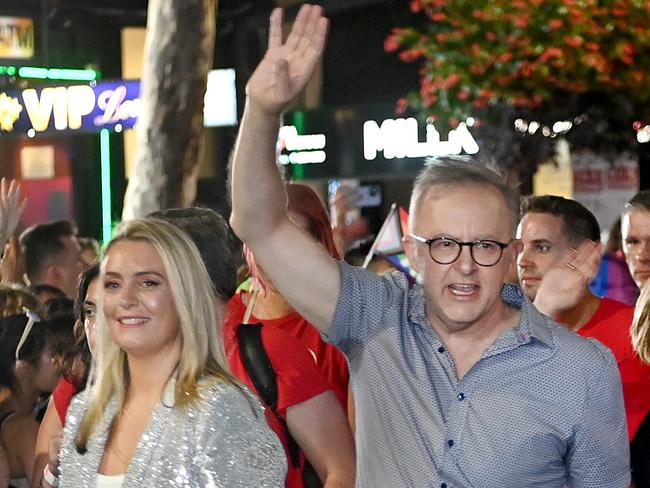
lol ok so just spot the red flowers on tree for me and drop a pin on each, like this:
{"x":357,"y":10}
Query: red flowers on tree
{"x":476,"y":53}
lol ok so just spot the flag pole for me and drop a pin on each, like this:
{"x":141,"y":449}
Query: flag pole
{"x":384,"y":226}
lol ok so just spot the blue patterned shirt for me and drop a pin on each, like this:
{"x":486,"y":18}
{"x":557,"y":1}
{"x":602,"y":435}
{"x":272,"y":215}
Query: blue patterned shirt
{"x":543,"y":407}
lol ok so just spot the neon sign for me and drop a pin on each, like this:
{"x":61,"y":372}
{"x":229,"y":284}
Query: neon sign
{"x":303,"y":149}
{"x":92,"y":107}
{"x":398,"y":138}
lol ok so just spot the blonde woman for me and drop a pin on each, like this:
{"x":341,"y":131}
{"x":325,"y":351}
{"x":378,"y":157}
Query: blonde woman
{"x":163,"y":409}
{"x":640,"y":445}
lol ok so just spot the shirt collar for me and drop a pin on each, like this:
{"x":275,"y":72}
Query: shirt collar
{"x":532,"y":323}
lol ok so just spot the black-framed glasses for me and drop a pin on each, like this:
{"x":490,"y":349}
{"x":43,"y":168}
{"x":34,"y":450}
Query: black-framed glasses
{"x":445,"y":250}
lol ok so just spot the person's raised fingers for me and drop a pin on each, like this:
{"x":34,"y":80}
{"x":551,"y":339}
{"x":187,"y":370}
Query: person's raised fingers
{"x":275,"y":29}
{"x":299,"y":25}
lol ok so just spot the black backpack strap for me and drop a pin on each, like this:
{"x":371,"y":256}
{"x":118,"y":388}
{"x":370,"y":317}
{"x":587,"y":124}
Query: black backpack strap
{"x":260,"y":369}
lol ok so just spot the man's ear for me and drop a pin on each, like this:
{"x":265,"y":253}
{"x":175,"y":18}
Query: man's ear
{"x":600,"y":246}
{"x":411,"y":249}
{"x":52,"y":275}
{"x":516,"y":246}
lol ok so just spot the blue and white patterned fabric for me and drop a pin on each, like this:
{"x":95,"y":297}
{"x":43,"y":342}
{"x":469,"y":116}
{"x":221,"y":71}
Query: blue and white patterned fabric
{"x":543,"y":407}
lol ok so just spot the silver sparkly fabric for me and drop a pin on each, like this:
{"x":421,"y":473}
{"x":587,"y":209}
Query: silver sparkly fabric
{"x":222,"y":441}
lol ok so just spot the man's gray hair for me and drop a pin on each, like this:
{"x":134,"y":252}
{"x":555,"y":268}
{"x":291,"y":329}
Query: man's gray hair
{"x":457,"y":171}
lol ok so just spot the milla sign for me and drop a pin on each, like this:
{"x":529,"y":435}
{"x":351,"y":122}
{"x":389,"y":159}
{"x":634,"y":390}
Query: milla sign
{"x":398,"y":138}
{"x":394,"y":138}
{"x":90,"y":108}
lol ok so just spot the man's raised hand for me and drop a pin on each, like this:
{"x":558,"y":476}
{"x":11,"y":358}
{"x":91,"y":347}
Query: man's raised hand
{"x":565,"y":284}
{"x":287,"y":67}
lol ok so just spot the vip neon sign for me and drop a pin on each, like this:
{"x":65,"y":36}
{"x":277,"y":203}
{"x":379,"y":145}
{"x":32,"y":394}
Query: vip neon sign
{"x":399,"y":138}
{"x":90,"y":108}
{"x":78,"y":107}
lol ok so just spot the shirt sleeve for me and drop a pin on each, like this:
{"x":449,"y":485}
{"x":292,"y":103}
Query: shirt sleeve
{"x":362,"y":304}
{"x":298,"y":376}
{"x":599,"y":455}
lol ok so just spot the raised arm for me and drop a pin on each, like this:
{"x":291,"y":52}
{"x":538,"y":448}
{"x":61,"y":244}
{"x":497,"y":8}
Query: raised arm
{"x":11,"y":207}
{"x":298,"y":267}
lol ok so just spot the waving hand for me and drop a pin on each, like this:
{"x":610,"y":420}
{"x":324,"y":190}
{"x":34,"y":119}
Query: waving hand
{"x":287,"y":67}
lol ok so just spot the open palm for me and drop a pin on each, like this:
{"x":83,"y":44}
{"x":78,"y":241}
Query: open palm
{"x":11,"y":208}
{"x":287,"y":67}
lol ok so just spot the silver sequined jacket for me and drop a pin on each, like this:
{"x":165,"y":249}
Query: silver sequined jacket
{"x":223,"y":441}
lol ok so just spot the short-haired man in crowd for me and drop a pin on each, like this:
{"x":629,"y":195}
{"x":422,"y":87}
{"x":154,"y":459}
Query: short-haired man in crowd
{"x":635,"y":231}
{"x":52,"y":255}
{"x":458,"y":381}
{"x":552,"y":229}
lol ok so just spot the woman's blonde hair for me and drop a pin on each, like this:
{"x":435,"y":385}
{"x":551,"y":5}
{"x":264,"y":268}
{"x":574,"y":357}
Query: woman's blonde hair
{"x":14,"y":300}
{"x":202,"y":354}
{"x":640,"y":331}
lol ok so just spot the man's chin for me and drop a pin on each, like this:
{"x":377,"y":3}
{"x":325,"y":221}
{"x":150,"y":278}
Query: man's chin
{"x":529,"y":290}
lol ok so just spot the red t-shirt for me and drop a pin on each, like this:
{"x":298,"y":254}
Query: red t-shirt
{"x":610,"y":325}
{"x":329,"y":359}
{"x":298,"y":376}
{"x":62,"y":395}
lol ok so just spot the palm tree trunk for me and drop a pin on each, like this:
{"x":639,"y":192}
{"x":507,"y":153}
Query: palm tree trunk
{"x":178,"y":55}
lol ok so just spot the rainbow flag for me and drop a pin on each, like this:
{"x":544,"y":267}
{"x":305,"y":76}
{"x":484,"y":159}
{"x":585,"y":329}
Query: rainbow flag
{"x":388,"y":243}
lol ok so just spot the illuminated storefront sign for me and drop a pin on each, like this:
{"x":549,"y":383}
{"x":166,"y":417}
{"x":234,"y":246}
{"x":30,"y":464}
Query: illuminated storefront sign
{"x":399,"y":138}
{"x":82,"y":108}
{"x":301,"y":149}
{"x":362,"y":141}
{"x":93,"y":107}
{"x":16,"y":38}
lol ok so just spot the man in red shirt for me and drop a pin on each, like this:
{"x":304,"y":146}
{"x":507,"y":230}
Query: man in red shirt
{"x":560,"y":254}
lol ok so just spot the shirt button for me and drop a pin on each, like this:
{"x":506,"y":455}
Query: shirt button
{"x":450,"y":443}
{"x":443,"y":485}
{"x":461,"y":397}
{"x":441,"y":349}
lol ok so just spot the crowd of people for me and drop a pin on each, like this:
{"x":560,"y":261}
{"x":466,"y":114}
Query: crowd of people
{"x":161,"y":363}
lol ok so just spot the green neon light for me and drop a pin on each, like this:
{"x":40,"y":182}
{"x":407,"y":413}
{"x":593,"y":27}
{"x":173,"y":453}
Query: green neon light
{"x":298,"y":170}
{"x":7,"y":70}
{"x":56,"y":73}
{"x":105,"y":163}
{"x":72,"y":74}
{"x":30,"y":72}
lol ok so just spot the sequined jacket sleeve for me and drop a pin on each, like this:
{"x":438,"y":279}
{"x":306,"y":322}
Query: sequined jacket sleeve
{"x":222,"y":441}
{"x":247,"y":447}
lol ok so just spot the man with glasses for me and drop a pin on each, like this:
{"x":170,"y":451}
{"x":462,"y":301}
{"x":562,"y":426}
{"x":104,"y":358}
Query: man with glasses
{"x":458,"y":381}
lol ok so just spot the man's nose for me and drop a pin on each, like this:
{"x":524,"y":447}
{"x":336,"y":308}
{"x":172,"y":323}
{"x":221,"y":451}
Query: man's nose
{"x":465,"y":261}
{"x":523,"y":259}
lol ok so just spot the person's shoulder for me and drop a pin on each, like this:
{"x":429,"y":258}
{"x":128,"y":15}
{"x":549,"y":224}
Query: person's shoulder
{"x":615,"y":309}
{"x":225,"y":396}
{"x":18,"y":427}
{"x":583,"y":353}
{"x":357,"y":274}
{"x":227,"y":408}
